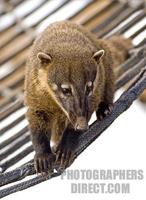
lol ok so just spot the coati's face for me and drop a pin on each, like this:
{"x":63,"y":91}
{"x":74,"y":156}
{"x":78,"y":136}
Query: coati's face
{"x":72,"y":86}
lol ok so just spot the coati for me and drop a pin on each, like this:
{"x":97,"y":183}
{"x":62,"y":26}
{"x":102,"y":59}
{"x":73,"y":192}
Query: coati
{"x":69,"y":75}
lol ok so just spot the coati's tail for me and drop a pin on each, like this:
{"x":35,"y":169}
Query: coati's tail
{"x":143,"y":97}
{"x":120,"y":47}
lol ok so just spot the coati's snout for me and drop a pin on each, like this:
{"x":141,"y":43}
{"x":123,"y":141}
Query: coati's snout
{"x":74,"y":101}
{"x":74,"y":105}
{"x":81,"y":124}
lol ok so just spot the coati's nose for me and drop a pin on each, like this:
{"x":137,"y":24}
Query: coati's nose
{"x":81,"y":124}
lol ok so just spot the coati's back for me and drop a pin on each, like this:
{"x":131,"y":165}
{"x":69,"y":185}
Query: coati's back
{"x":63,"y":34}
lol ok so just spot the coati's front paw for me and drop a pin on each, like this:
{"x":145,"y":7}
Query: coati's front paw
{"x":64,"y":156}
{"x":104,"y":109}
{"x":44,"y":163}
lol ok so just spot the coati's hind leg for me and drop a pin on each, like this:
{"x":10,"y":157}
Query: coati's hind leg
{"x":65,"y":153}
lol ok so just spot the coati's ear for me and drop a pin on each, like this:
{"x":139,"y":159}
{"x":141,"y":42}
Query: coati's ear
{"x":44,"y":58}
{"x":97,"y":55}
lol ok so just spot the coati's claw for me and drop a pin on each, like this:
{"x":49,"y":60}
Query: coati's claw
{"x":65,"y":151}
{"x":103,"y":110}
{"x":43,"y":163}
{"x":65,"y":157}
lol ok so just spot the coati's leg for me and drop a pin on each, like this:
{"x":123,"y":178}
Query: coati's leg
{"x":44,"y":159}
{"x":40,"y":135}
{"x":116,"y":51}
{"x":106,"y":104}
{"x":65,"y":153}
{"x":64,"y":142}
{"x":104,"y":109}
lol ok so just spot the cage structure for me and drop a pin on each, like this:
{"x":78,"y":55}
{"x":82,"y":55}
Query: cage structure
{"x":21,"y":21}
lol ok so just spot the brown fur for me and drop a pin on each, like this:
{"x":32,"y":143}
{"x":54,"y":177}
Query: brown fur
{"x":143,"y":97}
{"x":71,"y":48}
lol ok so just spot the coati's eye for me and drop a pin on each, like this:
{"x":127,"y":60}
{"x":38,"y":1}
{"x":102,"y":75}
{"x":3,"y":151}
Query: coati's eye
{"x":89,"y":88}
{"x":66,"y":90}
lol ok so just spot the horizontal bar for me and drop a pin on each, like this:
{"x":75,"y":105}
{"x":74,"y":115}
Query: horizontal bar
{"x":15,"y":145}
{"x":15,"y":159}
{"x":130,"y":74}
{"x":109,"y":20}
{"x":14,"y":137}
{"x":20,"y":11}
{"x":20,"y":118}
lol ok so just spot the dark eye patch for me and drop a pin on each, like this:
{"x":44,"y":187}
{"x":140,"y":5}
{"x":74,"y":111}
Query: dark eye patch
{"x":66,"y":91}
